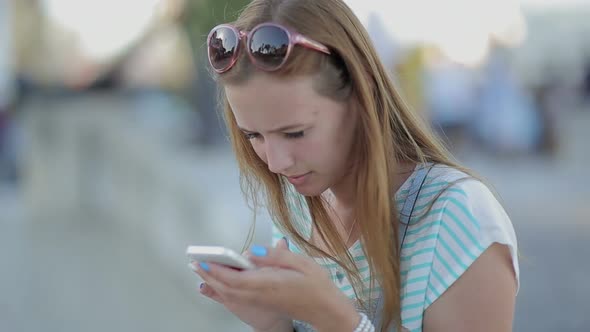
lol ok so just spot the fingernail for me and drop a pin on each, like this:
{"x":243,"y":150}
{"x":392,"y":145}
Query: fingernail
{"x":192,"y":267}
{"x":259,"y":251}
{"x":204,"y":266}
{"x":201,"y":285}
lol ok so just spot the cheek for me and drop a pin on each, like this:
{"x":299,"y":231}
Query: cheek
{"x":315,"y":152}
{"x":259,"y":149}
{"x":333,"y":150}
{"x":328,"y":140}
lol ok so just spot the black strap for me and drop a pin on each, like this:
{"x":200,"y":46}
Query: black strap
{"x":405,"y":219}
{"x":410,"y":202}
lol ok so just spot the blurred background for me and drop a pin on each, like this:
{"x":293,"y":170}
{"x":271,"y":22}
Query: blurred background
{"x":113,"y":158}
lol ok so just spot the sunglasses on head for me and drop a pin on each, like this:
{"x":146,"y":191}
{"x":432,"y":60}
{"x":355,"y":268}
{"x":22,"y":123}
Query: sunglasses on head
{"x":268,"y":45}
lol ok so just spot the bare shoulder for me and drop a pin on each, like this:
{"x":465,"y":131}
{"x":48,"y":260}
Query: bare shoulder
{"x":482,"y":299}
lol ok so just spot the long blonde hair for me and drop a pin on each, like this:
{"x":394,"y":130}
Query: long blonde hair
{"x":388,"y":133}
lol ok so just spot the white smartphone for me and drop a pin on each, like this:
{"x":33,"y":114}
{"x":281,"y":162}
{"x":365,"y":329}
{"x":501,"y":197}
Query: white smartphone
{"x":219,"y":255}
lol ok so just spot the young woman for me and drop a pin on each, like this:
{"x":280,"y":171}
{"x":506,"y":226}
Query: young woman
{"x":384,"y":230}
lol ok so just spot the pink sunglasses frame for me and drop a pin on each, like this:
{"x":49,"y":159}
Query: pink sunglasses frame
{"x":295,"y":38}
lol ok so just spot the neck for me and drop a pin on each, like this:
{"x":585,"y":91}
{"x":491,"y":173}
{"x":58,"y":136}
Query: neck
{"x":344,"y":193}
{"x":405,"y":170}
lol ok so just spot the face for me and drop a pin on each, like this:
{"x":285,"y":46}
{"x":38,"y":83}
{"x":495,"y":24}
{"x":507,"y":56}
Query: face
{"x":298,"y":133}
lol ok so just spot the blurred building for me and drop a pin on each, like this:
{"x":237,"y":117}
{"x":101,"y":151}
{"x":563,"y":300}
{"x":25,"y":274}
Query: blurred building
{"x":7,"y":75}
{"x":490,"y":73}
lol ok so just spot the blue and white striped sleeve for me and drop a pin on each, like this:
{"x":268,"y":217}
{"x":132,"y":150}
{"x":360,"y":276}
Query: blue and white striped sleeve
{"x":471,"y":221}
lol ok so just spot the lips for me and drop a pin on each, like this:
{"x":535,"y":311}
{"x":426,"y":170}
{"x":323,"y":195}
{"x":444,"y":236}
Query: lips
{"x":299,"y":179}
{"x":297,"y":176}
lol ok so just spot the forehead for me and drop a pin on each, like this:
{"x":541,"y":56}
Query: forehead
{"x":265,"y":102}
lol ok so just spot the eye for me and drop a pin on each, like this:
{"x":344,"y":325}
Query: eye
{"x":251,"y":136}
{"x":297,"y":134}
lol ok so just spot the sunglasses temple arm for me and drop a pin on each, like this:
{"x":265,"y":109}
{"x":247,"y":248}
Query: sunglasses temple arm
{"x":310,"y":43}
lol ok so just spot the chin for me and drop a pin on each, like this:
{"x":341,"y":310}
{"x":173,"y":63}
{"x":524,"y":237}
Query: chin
{"x":310,"y":190}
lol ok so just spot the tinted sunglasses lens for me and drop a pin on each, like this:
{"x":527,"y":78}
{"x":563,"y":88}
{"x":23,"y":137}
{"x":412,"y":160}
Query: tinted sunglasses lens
{"x":268,"y":46}
{"x":222,"y":48}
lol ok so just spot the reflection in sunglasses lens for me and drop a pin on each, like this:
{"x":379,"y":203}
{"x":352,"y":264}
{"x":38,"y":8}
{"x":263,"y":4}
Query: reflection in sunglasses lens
{"x":222,"y":46}
{"x":269,"y":45}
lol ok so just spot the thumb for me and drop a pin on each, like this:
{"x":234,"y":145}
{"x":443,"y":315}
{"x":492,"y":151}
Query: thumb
{"x":279,"y":257}
{"x":283,"y":244}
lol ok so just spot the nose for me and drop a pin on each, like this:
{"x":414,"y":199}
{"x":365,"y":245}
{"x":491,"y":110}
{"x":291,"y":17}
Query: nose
{"x":278,"y":158}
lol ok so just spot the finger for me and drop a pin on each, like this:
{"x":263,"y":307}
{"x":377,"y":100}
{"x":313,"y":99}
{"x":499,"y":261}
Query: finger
{"x":197,"y":268}
{"x":219,"y":276}
{"x":232,"y":278}
{"x":193,"y":266}
{"x":231,"y":286}
{"x":203,"y":269}
{"x":204,"y":289}
{"x":221,"y":281}
{"x":247,"y":282}
{"x":277,"y":257}
{"x":209,"y":292}
{"x":210,"y":285}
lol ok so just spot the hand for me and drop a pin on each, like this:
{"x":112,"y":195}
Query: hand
{"x":286,"y":283}
{"x":259,"y":318}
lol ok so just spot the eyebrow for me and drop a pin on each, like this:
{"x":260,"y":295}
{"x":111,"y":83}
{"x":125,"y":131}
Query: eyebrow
{"x":284,"y":128}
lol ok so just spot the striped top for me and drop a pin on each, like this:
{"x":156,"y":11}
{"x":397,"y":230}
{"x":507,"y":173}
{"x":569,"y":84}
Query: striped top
{"x":440,"y":243}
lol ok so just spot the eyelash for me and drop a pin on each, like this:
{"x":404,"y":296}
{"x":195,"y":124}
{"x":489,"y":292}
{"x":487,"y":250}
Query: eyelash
{"x":250,"y":136}
{"x":294,"y":135}
{"x":297,"y":134}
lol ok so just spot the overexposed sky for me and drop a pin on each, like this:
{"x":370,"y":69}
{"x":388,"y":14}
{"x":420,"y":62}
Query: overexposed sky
{"x":461,"y":28}
{"x":103,"y":27}
{"x":549,"y":4}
